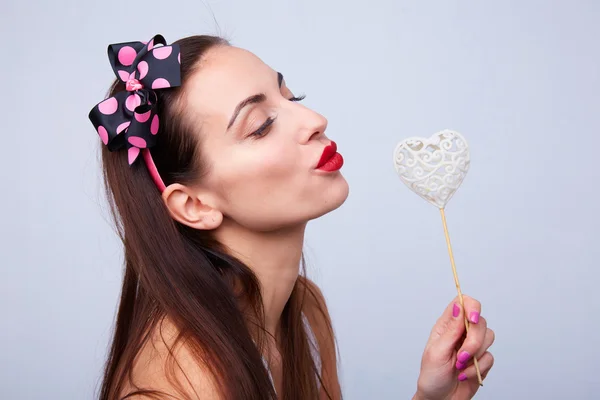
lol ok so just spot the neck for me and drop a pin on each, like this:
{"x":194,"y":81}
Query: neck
{"x":275,"y":259}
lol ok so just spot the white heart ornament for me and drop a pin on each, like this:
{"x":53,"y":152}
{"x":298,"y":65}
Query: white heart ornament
{"x":433,"y":168}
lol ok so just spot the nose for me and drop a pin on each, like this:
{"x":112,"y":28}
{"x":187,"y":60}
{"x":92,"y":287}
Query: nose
{"x":313,"y":125}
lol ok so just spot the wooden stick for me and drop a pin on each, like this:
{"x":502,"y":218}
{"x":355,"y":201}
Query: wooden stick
{"x":460,"y":296}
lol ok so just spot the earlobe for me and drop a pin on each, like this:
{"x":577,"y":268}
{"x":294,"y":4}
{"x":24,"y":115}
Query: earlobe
{"x":186,"y":206}
{"x":213,"y":221}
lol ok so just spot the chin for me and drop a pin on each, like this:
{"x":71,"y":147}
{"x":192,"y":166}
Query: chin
{"x":335,"y":195}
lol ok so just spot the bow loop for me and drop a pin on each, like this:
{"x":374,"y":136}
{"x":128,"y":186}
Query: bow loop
{"x":128,"y":119}
{"x":153,"y":64}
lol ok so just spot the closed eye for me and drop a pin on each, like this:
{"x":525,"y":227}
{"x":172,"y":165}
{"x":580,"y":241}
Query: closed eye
{"x":280,"y":82}
{"x":263,"y":129}
{"x":299,"y":98}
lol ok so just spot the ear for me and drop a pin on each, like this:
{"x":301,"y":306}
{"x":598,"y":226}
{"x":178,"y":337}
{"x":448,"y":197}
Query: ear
{"x":186,"y":206}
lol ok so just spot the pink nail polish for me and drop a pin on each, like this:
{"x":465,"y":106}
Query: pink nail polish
{"x":474,"y":317}
{"x":462,"y":376}
{"x":463,"y":357}
{"x":455,"y":310}
{"x":460,"y":365}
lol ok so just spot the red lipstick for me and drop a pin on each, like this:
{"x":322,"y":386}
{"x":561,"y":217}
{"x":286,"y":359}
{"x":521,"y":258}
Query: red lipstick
{"x":330,"y":160}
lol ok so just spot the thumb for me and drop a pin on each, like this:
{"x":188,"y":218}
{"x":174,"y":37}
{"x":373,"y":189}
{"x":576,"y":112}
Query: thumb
{"x":449,"y":329}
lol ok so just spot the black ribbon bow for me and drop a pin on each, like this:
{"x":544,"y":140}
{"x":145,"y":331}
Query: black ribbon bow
{"x":129,"y":117}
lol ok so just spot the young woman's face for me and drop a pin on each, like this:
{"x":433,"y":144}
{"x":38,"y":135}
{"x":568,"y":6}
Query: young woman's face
{"x":262,"y":161}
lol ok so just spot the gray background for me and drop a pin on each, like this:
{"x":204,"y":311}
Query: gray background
{"x":518,"y":78}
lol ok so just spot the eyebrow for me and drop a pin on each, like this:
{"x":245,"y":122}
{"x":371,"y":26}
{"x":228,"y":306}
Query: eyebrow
{"x":254,"y":99}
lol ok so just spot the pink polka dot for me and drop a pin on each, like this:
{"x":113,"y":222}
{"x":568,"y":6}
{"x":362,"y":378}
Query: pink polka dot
{"x":151,"y":45}
{"x":142,"y":117}
{"x":162,"y":52}
{"x":160,"y":83}
{"x":124,"y":75}
{"x":108,"y":106}
{"x":154,"y":125}
{"x":137,"y":141}
{"x":123,"y":126}
{"x":143,"y":68}
{"x":132,"y":102}
{"x":132,"y":154}
{"x":103,"y":134}
{"x":127,"y":55}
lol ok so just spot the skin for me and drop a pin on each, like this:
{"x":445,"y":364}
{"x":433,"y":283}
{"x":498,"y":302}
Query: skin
{"x":245,"y":199}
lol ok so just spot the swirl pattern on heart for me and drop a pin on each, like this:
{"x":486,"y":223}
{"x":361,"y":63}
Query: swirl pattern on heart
{"x":433,"y":168}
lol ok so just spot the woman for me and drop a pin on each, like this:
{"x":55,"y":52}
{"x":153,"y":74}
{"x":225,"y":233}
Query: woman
{"x":214,"y":303}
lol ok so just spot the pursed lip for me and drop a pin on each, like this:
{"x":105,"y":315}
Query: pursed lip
{"x":328,"y":152}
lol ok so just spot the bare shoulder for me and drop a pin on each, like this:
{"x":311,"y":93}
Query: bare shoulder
{"x":166,"y":364}
{"x":317,"y":313}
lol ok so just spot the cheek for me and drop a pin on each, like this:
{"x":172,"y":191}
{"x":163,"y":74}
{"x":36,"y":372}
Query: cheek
{"x":268,"y":166}
{"x":273,"y":161}
{"x":257,"y":168}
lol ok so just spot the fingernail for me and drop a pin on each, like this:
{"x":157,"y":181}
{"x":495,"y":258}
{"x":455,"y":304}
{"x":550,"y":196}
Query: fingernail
{"x":463,"y":357}
{"x":455,"y":310}
{"x":460,"y":365}
{"x":462,"y":376}
{"x":474,"y":317}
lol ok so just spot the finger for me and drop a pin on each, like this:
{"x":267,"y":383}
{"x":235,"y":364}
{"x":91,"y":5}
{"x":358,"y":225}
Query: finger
{"x":485,"y":362}
{"x":473,"y":344}
{"x":472,"y":309}
{"x":489,"y":339}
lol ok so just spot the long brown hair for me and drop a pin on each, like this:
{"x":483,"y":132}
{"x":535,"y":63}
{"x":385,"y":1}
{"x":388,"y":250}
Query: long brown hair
{"x":177,"y":272}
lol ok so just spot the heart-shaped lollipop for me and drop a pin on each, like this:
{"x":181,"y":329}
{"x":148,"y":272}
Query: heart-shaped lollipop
{"x":433,"y":168}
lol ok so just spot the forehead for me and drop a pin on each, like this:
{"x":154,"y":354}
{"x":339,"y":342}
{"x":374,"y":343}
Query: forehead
{"x":226,"y":76}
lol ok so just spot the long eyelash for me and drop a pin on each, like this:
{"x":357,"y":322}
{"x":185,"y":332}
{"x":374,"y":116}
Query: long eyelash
{"x":300,"y":98}
{"x":267,"y":124}
{"x":263,"y":127}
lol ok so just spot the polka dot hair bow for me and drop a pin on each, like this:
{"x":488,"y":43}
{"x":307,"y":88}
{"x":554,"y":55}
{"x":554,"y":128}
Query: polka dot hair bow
{"x":128,"y":119}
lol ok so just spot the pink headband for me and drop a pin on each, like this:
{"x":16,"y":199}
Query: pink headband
{"x":128,"y":119}
{"x":153,"y":171}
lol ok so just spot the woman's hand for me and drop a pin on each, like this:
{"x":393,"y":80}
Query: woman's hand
{"x":447,"y":369}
